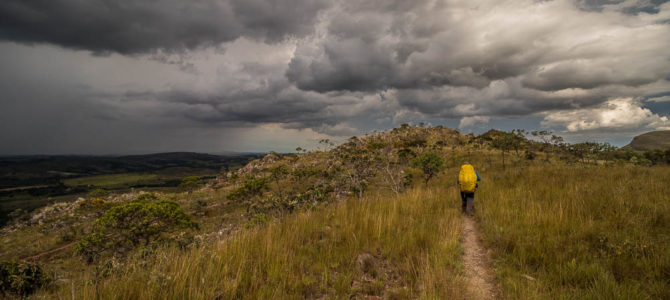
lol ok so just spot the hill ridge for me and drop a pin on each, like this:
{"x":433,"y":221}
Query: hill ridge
{"x":654,"y":140}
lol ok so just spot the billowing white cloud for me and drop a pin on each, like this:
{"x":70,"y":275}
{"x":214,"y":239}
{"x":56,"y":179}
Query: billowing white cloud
{"x":467,"y":122}
{"x":615,"y":114}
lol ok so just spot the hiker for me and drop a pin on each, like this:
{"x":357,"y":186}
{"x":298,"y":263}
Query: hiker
{"x":468,"y":180}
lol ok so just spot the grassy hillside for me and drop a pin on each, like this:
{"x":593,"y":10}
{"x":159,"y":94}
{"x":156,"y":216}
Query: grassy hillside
{"x":561,"y":221}
{"x":655,"y":140}
{"x":395,"y":247}
{"x":574,"y":232}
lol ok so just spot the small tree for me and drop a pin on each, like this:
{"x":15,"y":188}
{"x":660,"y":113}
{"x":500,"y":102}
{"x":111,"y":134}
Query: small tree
{"x":326,"y":143}
{"x":585,"y":151}
{"x":504,"y":142}
{"x":607,"y":152}
{"x":189,"y":183}
{"x":557,"y":143}
{"x":393,"y":164}
{"x":430,"y":163}
{"x":249,"y":189}
{"x":545,"y":140}
{"x":358,"y":162}
{"x":277,"y":172}
{"x":519,"y":141}
{"x":300,"y":150}
{"x":133,"y":224}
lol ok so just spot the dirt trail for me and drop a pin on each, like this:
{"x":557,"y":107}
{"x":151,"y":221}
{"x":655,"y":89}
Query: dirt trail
{"x":19,"y":188}
{"x":47,"y":253}
{"x":480,"y":278}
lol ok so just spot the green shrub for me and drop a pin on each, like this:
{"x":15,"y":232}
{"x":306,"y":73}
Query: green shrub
{"x":258,"y":220}
{"x":128,"y":226}
{"x":198,"y":206}
{"x":146,"y":197}
{"x":93,"y":204}
{"x":21,"y":278}
{"x":249,"y":189}
{"x":97,"y":193}
{"x":430,"y":163}
{"x":189,"y":183}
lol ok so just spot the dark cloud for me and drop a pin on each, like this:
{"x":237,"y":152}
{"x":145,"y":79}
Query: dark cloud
{"x":319,"y":69}
{"x":596,"y":5}
{"x":421,"y":45}
{"x":136,"y":26}
{"x":460,"y":60}
{"x":649,"y":7}
{"x":626,"y":7}
{"x":274,"y":102}
{"x":585,"y":75}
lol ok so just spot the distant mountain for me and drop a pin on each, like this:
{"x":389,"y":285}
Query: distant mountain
{"x":655,"y":140}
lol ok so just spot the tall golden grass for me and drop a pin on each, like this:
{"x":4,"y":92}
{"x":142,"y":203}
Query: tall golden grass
{"x":413,"y":239}
{"x":556,"y":231}
{"x":578,"y":232}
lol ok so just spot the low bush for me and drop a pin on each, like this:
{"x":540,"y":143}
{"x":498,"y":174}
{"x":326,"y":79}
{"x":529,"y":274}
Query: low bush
{"x":21,"y":279}
{"x":131,"y":225}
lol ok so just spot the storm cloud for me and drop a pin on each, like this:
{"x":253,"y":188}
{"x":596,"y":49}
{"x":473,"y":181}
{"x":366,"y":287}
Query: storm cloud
{"x":461,"y":44}
{"x":138,"y":26}
{"x":185,"y":74}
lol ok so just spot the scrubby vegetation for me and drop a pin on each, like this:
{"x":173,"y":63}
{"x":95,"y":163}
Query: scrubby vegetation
{"x":375,"y":216}
{"x":127,"y":226}
{"x":21,"y":279}
{"x":392,"y":247}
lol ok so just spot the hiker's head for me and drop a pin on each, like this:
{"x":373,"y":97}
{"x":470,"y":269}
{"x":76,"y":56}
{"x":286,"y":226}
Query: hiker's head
{"x":465,"y":163}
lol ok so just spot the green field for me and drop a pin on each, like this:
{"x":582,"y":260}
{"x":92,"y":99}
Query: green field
{"x":169,"y":177}
{"x":73,"y":188}
{"x":115,"y":181}
{"x":30,"y":182}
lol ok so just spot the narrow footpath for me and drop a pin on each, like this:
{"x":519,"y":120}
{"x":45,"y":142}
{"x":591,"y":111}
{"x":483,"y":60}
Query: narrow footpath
{"x":481,"y":283}
{"x":47,"y":253}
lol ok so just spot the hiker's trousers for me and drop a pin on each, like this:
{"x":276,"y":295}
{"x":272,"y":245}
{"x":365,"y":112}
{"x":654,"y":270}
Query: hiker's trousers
{"x":467,"y":202}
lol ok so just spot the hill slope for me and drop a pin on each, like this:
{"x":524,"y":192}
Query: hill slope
{"x":655,"y":140}
{"x":360,"y":221}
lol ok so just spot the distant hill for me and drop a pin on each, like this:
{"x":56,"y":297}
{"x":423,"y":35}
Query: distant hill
{"x":655,"y":140}
{"x":491,"y":134}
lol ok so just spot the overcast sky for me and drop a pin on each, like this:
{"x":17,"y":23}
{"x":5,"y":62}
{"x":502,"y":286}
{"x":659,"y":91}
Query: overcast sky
{"x":138,"y":76}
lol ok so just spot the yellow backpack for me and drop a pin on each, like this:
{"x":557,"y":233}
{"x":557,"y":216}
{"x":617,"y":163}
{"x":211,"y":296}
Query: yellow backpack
{"x":467,"y":178}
